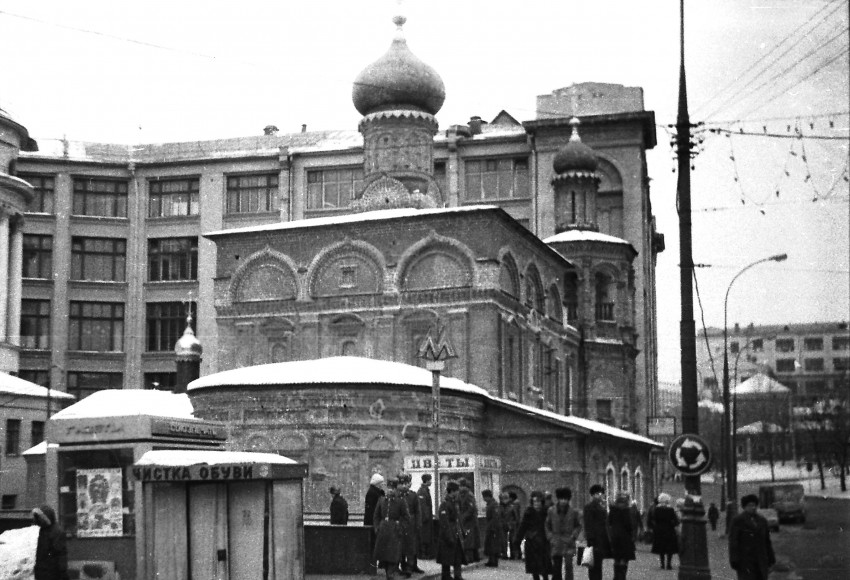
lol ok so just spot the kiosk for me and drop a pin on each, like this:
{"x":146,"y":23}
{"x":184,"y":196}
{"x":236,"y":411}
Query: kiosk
{"x":481,"y":471}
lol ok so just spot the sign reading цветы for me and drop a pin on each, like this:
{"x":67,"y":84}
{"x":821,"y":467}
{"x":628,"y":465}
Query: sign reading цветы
{"x":449,"y":462}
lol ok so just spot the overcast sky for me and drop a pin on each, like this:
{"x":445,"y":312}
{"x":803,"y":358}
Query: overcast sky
{"x":154,"y":71}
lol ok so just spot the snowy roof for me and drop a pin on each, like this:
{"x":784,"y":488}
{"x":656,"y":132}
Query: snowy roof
{"x":39,"y":449}
{"x":185,"y":458}
{"x":759,"y":427}
{"x":760,"y":384}
{"x":584,"y":236}
{"x":127,"y":402}
{"x":383,"y":214}
{"x":333,"y":370}
{"x":710,"y":405}
{"x":10,"y":385}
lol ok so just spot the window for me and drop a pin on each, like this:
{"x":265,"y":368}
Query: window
{"x":571,"y":286}
{"x":35,"y":324}
{"x":37,"y":256}
{"x":504,"y":178}
{"x":813,"y":364}
{"x":841,"y":343}
{"x":98,"y":259}
{"x":36,"y":433}
{"x":440,"y":177}
{"x":550,"y":376}
{"x":174,"y":197}
{"x":604,"y":411}
{"x":841,"y":364}
{"x":605,"y":289}
{"x":161,"y":381}
{"x":96,"y":326}
{"x":172,"y":259}
{"x":9,"y":501}
{"x":785,"y":365}
{"x":82,"y":384}
{"x":333,"y":188}
{"x":734,"y":346}
{"x":43,"y":200}
{"x":757,"y":345}
{"x":13,"y":436}
{"x":252,"y":193}
{"x":39,"y":377}
{"x":100,"y":197}
{"x":813,"y":344}
{"x":166,"y":322}
{"x":785,"y":344}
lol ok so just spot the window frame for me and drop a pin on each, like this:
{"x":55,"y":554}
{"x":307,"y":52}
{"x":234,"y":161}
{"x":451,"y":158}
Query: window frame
{"x":814,"y":365}
{"x":185,"y":258}
{"x":355,"y":184}
{"x":785,"y":345}
{"x":813,"y":344}
{"x":163,"y":330}
{"x":40,"y":320}
{"x":486,"y":173}
{"x":82,"y":329}
{"x":40,"y":255}
{"x":159,"y":200}
{"x":44,"y":200}
{"x":98,"y":259}
{"x":114,"y":380}
{"x":12,"y":445}
{"x":237,"y":194}
{"x":85,"y":201}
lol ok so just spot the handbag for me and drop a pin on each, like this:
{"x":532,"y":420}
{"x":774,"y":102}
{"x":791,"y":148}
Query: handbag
{"x":587,"y":557}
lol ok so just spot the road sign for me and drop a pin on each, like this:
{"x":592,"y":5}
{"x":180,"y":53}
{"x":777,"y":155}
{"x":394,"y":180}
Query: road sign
{"x":690,"y":454}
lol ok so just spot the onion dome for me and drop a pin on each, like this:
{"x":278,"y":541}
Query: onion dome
{"x":188,"y":345}
{"x":575,"y":156}
{"x":398,"y":80}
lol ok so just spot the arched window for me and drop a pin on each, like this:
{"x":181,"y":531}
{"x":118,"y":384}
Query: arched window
{"x":605,"y":293}
{"x":553,"y":304}
{"x":638,"y":488}
{"x":508,"y":277}
{"x":571,"y":296}
{"x":610,"y":481}
{"x":624,"y":480}
{"x":534,"y":290}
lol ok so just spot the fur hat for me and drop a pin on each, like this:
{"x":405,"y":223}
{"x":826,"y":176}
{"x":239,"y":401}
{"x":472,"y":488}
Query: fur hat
{"x":451,"y":486}
{"x":377,"y":479}
{"x":751,"y":498}
{"x":563,"y":493}
{"x":596,"y":488}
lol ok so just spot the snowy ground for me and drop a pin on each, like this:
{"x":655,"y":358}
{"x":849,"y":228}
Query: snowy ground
{"x":17,"y":553}
{"x":756,"y":472}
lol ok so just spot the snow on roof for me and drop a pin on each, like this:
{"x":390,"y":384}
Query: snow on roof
{"x":760,"y":384}
{"x":710,"y":405}
{"x":579,"y":422}
{"x":584,"y":236}
{"x":382,"y":214}
{"x":126,"y":402}
{"x":759,"y":427}
{"x":185,"y":458}
{"x":39,"y":449}
{"x":10,"y":385}
{"x":333,"y":370}
{"x":603,"y":340}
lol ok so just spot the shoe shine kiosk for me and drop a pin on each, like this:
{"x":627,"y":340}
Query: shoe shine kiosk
{"x":145,"y":491}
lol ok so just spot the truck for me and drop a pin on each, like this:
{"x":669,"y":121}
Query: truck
{"x":788,"y":499}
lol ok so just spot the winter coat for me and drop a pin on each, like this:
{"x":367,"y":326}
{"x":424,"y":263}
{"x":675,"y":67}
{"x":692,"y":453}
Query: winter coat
{"x":469,"y":521}
{"x":750,"y":550}
{"x":391,"y":516}
{"x":372,"y":496}
{"x":494,"y":536}
{"x":533,"y":529}
{"x":450,"y":539}
{"x":621,"y":532}
{"x":426,"y":514}
{"x":339,"y":511}
{"x":410,"y":529}
{"x":596,"y":529}
{"x":665,"y":540}
{"x":562,"y":530}
{"x":713,"y":514}
{"x":51,"y":554}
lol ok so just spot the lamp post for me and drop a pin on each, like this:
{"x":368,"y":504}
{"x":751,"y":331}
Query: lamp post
{"x":728,"y":451}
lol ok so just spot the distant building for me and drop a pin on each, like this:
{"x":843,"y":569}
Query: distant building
{"x":811,"y":359}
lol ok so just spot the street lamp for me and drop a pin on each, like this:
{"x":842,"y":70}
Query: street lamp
{"x":728,"y":451}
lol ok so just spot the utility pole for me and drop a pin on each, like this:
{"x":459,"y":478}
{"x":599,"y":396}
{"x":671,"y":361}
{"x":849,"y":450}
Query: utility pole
{"x":694,"y":550}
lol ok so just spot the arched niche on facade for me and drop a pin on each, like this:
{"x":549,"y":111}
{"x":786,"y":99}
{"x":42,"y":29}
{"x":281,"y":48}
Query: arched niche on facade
{"x":572,"y":293}
{"x":258,"y":443}
{"x":605,"y":284}
{"x":436,"y":262}
{"x":347,"y":332}
{"x":415,"y":325}
{"x":610,"y":480}
{"x":351,"y":267}
{"x":638,"y":487}
{"x":625,"y":479}
{"x":278,"y":333}
{"x":609,"y":198}
{"x":293,"y":445}
{"x":346,"y":442}
{"x":554,"y":309}
{"x":509,"y":275}
{"x":533,"y":291}
{"x":265,"y":276}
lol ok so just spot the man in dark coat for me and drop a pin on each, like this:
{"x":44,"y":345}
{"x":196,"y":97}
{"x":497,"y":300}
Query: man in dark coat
{"x":622,"y":535}
{"x":426,"y":514}
{"x":391,"y":516}
{"x":450,"y":553}
{"x":750,"y":551}
{"x":665,"y":538}
{"x":410,"y":531}
{"x":373,"y":494}
{"x":713,"y":516}
{"x":596,"y":530}
{"x":51,"y":554}
{"x":468,"y":520}
{"x":563,"y":527}
{"x":339,"y":507}
{"x":513,"y":525}
{"x":493,"y":536}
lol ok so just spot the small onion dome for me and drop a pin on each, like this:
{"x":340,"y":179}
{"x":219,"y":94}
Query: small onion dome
{"x":398,"y":80}
{"x":188,"y":345}
{"x":575,"y":155}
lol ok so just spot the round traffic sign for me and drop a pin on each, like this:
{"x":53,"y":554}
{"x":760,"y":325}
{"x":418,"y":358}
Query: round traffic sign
{"x":690,"y":454}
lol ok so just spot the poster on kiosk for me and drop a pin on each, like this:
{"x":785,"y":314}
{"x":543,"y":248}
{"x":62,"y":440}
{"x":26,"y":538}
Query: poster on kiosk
{"x":481,"y":471}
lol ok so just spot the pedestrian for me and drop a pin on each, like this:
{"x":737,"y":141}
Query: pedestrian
{"x":373,"y":494}
{"x":622,"y":534}
{"x":51,"y":554}
{"x":468,"y":520}
{"x":713,"y":516}
{"x":563,"y":527}
{"x":339,"y":507}
{"x":426,"y":515}
{"x":410,"y":530}
{"x":516,"y":544}
{"x":450,"y":553}
{"x":750,"y":551}
{"x":532,"y":528}
{"x":391,"y":516}
{"x":650,"y":520}
{"x":665,"y":540}
{"x":506,"y":512}
{"x":493,"y":536}
{"x":637,"y":521}
{"x":595,"y":523}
